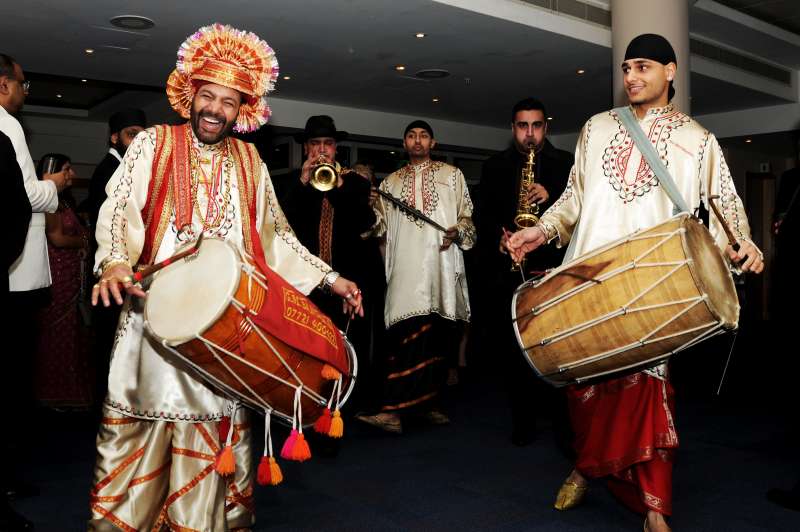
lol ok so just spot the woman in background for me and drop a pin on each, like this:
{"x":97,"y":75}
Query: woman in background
{"x":63,"y":378}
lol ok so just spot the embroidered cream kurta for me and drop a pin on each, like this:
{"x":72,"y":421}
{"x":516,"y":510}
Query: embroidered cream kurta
{"x":145,"y":380}
{"x":612,"y":191}
{"x":420,"y":278}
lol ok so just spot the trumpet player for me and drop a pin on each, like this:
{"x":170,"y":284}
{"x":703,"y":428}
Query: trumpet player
{"x":328,"y":208}
{"x":500,"y":201}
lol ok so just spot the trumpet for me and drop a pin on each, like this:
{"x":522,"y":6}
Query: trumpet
{"x":527,"y":212}
{"x":325,"y":175}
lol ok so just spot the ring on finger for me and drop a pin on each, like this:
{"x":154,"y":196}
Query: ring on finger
{"x":127,"y":279}
{"x":103,"y":281}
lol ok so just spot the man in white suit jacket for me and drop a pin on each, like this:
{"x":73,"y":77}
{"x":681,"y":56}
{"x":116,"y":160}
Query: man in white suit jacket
{"x":28,"y":277}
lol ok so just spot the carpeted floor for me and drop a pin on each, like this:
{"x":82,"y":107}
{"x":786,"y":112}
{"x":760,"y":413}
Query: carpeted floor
{"x":468,"y":476}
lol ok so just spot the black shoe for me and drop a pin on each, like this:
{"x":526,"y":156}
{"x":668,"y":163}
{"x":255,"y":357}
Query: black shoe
{"x":789,"y":499}
{"x":11,"y":521}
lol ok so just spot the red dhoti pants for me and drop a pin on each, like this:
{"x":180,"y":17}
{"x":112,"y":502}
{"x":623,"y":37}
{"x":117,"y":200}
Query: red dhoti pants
{"x":624,"y":431}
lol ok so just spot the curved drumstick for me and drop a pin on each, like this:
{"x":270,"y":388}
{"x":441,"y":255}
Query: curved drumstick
{"x":150,"y":270}
{"x":731,"y":239}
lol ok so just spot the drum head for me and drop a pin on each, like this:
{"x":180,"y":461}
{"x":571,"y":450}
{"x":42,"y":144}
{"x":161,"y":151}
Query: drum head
{"x":187,"y":297}
{"x":711,"y":273}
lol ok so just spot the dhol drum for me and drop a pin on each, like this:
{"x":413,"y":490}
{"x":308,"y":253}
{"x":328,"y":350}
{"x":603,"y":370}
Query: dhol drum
{"x":204,"y":310}
{"x":627,"y":305}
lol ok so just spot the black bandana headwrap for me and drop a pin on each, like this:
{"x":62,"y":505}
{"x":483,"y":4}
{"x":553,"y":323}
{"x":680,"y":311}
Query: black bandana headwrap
{"x":420,"y":124}
{"x":655,"y":48}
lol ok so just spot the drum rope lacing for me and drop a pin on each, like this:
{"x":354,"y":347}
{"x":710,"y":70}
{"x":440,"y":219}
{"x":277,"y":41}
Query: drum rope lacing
{"x":715,"y":331}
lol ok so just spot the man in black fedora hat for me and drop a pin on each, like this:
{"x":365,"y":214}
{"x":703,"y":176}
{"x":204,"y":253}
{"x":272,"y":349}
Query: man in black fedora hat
{"x":330,"y":223}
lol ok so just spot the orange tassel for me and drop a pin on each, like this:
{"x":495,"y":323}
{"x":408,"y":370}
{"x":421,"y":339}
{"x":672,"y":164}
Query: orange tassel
{"x":301,"y":451}
{"x":330,"y":373}
{"x":226,"y":462}
{"x":276,"y":476}
{"x":269,"y":472}
{"x":264,"y":476}
{"x":337,"y":425}
{"x":224,"y":427}
{"x":323,"y":424}
{"x":288,"y":445}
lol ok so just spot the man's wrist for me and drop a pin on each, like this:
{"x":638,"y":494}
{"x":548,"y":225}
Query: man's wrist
{"x":327,"y":282}
{"x":109,"y":263}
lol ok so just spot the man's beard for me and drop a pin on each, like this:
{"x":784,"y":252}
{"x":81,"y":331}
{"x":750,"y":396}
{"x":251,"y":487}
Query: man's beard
{"x":210,"y":138}
{"x":120,"y":147}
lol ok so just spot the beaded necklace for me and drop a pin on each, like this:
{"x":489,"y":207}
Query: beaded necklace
{"x":213,"y":210}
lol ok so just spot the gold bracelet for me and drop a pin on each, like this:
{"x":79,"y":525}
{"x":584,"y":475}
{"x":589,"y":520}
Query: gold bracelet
{"x":110,"y":263}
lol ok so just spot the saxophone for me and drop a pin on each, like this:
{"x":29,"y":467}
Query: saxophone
{"x":527,"y":212}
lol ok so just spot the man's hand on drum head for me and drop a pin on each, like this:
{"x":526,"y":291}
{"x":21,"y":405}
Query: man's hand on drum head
{"x":110,"y":284}
{"x":749,"y":258}
{"x":348,"y":290}
{"x":524,"y":241}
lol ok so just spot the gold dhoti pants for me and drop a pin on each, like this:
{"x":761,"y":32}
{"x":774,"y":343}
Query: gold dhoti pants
{"x":157,"y":475}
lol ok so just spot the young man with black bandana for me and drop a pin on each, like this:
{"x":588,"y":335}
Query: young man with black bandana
{"x":426,"y":294}
{"x":624,"y":426}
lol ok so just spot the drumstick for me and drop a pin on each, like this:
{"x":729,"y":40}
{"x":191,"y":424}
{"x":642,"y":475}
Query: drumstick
{"x":150,"y":270}
{"x":731,"y":239}
{"x":411,"y":210}
{"x":520,"y":265}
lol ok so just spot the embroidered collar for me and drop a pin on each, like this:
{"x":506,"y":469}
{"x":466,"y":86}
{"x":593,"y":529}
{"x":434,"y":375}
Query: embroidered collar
{"x":654,"y":112}
{"x":421,"y":166}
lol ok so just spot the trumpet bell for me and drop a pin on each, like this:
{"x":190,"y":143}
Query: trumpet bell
{"x":325,"y":176}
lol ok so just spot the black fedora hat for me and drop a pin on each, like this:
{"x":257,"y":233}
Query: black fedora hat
{"x":320,"y":126}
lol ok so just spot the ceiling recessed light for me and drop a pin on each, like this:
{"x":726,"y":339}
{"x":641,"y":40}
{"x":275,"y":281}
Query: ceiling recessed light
{"x":580,"y":71}
{"x":84,"y":80}
{"x":89,"y":51}
{"x":549,"y":117}
{"x":391,"y":152}
{"x":132,"y":22}
{"x":58,"y":96}
{"x":420,"y":35}
{"x":434,"y":100}
{"x":748,"y":140}
{"x":399,"y":68}
{"x":287,"y":77}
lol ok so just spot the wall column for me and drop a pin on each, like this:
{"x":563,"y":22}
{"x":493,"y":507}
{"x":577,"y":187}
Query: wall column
{"x":670,"y":19}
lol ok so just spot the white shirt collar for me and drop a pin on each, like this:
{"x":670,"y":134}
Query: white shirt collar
{"x":115,"y":153}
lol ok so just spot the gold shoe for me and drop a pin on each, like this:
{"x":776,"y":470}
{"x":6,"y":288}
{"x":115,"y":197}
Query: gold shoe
{"x":570,"y":495}
{"x":434,"y":417}
{"x":383,"y":421}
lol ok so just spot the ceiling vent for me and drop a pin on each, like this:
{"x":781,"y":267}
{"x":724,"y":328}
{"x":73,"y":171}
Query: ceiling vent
{"x":132,"y":22}
{"x":432,"y":73}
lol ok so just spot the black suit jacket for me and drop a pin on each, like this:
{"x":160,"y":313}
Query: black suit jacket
{"x":97,"y":186}
{"x":353,"y":257}
{"x":16,"y":213}
{"x":497,"y":201}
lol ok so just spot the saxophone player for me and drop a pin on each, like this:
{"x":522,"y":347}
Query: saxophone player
{"x":498,"y":203}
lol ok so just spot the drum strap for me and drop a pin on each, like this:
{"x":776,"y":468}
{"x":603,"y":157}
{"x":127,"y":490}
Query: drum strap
{"x":649,"y":153}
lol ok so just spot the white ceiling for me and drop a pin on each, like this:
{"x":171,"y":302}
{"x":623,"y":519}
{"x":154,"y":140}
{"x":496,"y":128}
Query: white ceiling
{"x":343,"y":52}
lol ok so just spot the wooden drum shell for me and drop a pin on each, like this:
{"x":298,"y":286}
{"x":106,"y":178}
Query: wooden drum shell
{"x":679,"y":292}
